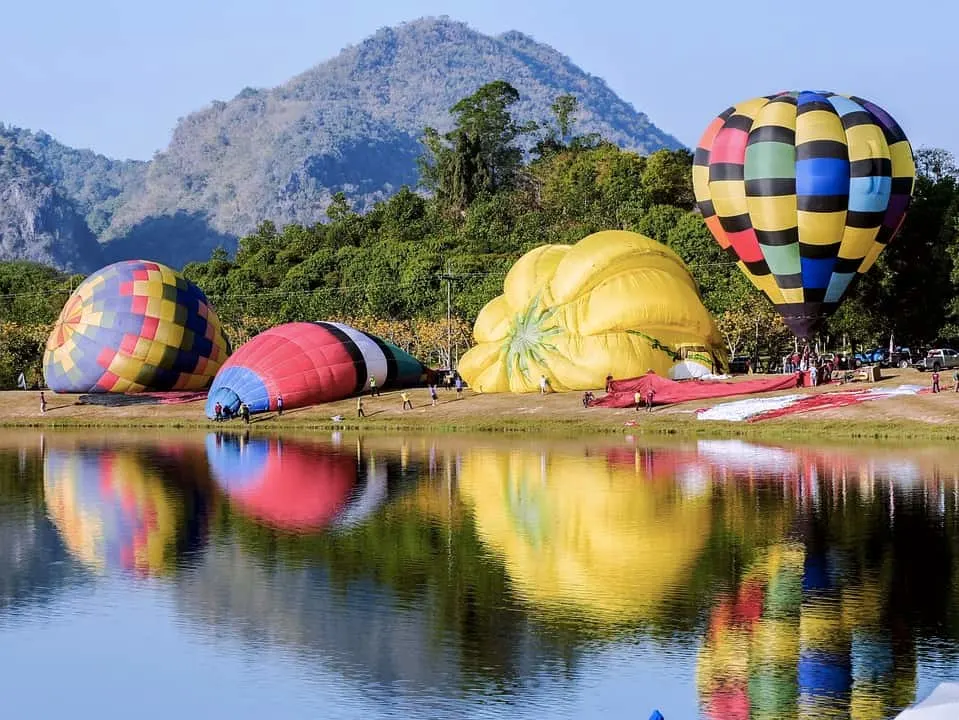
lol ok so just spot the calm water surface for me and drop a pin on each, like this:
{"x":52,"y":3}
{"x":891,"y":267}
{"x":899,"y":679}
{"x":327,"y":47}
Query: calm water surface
{"x":161,"y":575}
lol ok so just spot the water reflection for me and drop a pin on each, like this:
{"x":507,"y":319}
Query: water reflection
{"x":128,"y":509}
{"x":449,"y":577}
{"x":609,"y":539}
{"x":298,"y":486}
{"x":34,"y":565}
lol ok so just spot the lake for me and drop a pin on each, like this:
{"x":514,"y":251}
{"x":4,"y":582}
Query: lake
{"x":161,"y":575}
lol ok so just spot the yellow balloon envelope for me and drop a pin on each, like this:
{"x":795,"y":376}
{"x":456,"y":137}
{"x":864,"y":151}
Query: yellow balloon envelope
{"x":616,"y":303}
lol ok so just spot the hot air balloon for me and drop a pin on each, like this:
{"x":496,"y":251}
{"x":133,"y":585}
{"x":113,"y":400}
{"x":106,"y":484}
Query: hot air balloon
{"x":309,"y":363}
{"x":288,"y":486}
{"x":615,"y":303}
{"x":135,"y":326}
{"x":804,"y":190}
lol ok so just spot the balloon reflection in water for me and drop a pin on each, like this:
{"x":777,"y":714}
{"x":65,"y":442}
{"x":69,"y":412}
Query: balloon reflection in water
{"x":585,"y":534}
{"x":295,"y":486}
{"x":818,"y":627}
{"x":790,"y":644}
{"x":115,"y":512}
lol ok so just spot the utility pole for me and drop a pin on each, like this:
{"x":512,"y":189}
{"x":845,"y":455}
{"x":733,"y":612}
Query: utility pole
{"x":448,"y":277}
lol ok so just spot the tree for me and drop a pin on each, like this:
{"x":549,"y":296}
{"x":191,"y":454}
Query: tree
{"x":480,"y":155}
{"x":667,"y":179}
{"x":936,"y":164}
{"x":339,"y":207}
{"x":564,"y":108}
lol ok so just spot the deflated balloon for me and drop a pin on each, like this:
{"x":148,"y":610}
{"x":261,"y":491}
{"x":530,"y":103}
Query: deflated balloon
{"x":306,"y":364}
{"x":804,"y":190}
{"x":135,"y":326}
{"x":616,"y":303}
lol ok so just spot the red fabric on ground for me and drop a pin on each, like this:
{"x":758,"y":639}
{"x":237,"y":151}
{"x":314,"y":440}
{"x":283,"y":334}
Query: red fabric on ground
{"x":667,"y":392}
{"x":826,"y":401}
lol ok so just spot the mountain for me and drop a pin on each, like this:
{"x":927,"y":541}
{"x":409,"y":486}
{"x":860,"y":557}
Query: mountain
{"x":350,"y":124}
{"x":37,"y":220}
{"x":94,"y":182}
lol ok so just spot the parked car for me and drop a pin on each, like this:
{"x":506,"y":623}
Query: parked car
{"x":905,"y":357}
{"x":939,"y":359}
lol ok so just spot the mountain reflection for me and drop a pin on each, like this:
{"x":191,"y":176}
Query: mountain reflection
{"x":789,"y":582}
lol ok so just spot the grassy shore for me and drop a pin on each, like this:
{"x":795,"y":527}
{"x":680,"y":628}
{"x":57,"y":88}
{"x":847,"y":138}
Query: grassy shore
{"x":928,"y":417}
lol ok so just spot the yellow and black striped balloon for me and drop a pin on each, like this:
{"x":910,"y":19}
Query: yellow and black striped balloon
{"x":804,"y":190}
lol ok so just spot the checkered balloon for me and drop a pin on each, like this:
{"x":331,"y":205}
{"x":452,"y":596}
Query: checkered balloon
{"x":804,"y":190}
{"x":135,"y":326}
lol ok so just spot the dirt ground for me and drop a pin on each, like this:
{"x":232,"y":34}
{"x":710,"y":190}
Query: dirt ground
{"x":923,"y":414}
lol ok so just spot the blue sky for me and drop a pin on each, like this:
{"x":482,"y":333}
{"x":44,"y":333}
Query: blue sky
{"x":115,"y":75}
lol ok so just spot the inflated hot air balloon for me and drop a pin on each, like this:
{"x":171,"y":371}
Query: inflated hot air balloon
{"x":285,"y":485}
{"x":114,"y":511}
{"x":804,"y":190}
{"x":135,"y":326}
{"x":615,"y":303}
{"x":309,"y":363}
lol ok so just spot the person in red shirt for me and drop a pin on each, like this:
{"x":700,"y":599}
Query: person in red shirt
{"x":935,"y":381}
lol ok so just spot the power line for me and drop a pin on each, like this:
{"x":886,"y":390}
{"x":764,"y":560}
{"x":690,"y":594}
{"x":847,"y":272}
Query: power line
{"x":279,"y":292}
{"x":272,"y":291}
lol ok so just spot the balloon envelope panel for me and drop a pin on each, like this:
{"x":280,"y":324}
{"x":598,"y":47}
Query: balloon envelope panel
{"x":135,"y":326}
{"x":307,"y":364}
{"x":804,"y":190}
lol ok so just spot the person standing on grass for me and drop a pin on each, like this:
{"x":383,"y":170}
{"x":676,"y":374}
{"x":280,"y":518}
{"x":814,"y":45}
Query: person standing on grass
{"x":43,"y":403}
{"x":459,"y":387}
{"x":406,"y":400}
{"x":433,"y":395}
{"x":218,"y":412}
{"x":935,"y":381}
{"x":637,"y":399}
{"x":245,"y":413}
{"x":955,"y":380}
{"x":359,"y":407}
{"x":279,"y":404}
{"x":374,"y":391}
{"x":649,"y":398}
